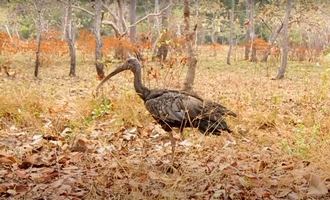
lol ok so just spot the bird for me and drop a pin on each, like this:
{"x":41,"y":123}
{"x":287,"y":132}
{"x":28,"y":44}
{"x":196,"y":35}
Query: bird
{"x":176,"y":108}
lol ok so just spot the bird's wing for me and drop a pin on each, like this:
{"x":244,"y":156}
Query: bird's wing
{"x":215,"y":111}
{"x":174,"y":106}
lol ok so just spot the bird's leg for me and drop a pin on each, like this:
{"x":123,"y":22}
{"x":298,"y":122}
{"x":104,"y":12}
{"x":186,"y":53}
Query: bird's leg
{"x":173,"y":145}
{"x":183,"y":124}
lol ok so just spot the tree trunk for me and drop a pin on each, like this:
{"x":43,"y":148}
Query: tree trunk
{"x":231,"y":31}
{"x":251,"y":31}
{"x":70,"y":37}
{"x":39,"y":30}
{"x":65,"y":22}
{"x":271,"y":42}
{"x":247,"y":35}
{"x":192,"y":61}
{"x":132,"y":12}
{"x":157,"y":21}
{"x":285,"y":45}
{"x":214,"y":42}
{"x":250,"y":35}
{"x":165,"y":15}
{"x":196,"y":33}
{"x":162,"y":49}
{"x":121,"y":15}
{"x":97,"y":32}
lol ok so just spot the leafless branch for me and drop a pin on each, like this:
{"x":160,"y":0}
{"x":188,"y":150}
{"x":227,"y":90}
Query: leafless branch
{"x":110,"y":12}
{"x":113,"y":25}
{"x":145,"y":17}
{"x":83,"y":9}
{"x":263,"y":21}
{"x":149,"y":15}
{"x":121,"y":16}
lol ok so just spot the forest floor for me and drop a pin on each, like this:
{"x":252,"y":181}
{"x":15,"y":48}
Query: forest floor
{"x":58,"y":141}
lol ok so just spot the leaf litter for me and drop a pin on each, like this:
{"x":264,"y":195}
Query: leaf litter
{"x":117,"y":159}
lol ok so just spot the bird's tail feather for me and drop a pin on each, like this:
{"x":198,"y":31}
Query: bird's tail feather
{"x":213,"y":127}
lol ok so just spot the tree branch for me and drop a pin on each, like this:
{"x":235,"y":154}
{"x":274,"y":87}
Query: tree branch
{"x":121,"y":16}
{"x":83,"y":9}
{"x":113,"y":25}
{"x":149,"y":15}
{"x":145,"y":17}
{"x":111,"y":13}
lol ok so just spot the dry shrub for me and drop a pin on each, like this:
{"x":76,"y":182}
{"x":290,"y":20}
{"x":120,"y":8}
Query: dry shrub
{"x":130,"y":108}
{"x":22,"y":107}
{"x":28,"y":108}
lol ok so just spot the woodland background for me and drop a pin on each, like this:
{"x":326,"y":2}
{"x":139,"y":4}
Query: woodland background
{"x":267,"y":60}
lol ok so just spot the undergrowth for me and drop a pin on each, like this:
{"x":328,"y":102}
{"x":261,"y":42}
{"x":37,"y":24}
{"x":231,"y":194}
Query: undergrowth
{"x":289,"y":118}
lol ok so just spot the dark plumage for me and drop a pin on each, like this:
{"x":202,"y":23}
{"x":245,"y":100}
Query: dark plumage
{"x":172,"y":108}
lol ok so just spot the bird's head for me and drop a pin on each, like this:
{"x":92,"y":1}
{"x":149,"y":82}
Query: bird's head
{"x":131,"y":63}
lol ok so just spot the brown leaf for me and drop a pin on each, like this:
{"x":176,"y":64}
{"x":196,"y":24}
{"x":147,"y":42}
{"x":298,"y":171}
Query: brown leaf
{"x":21,"y":174}
{"x":260,"y":166}
{"x":4,"y":187}
{"x":283,"y":192}
{"x":262,"y":192}
{"x":7,"y":160}
{"x":33,"y":160}
{"x":81,"y":145}
{"x":45,"y":176}
{"x":52,"y":137}
{"x":11,"y":188}
{"x":293,"y":196}
{"x":21,"y":188}
{"x":244,"y":182}
{"x":317,"y":186}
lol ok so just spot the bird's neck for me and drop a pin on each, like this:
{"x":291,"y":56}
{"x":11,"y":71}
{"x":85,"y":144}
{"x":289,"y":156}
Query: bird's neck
{"x":140,"y":89}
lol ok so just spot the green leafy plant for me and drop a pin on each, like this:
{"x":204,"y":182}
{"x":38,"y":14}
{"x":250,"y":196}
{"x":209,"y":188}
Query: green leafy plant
{"x":100,"y":109}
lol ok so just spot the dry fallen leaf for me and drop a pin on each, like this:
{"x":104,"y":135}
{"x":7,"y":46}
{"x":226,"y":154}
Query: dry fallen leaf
{"x":283,"y":192}
{"x":33,"y":160}
{"x":45,"y":175}
{"x":7,"y":160}
{"x":317,"y":186}
{"x":13,"y":189}
{"x":81,"y":145}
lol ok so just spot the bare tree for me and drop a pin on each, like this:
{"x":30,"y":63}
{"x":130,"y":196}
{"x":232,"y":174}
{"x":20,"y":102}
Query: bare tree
{"x":160,"y":47}
{"x":196,"y":16}
{"x":38,"y":8}
{"x":70,"y":37}
{"x":99,"y":44}
{"x":285,"y":43}
{"x":118,"y":22}
{"x":231,"y":31}
{"x":132,"y":29}
{"x":271,"y":42}
{"x":121,"y":14}
{"x":192,"y":61}
{"x":166,"y":14}
{"x":249,"y":47}
{"x":157,"y":21}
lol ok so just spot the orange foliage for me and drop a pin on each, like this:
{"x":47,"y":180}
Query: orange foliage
{"x":304,"y":53}
{"x":144,"y":41}
{"x":215,"y":47}
{"x":260,"y":44}
{"x":275,"y":52}
{"x":179,"y":43}
{"x":51,"y":44}
{"x":86,"y":44}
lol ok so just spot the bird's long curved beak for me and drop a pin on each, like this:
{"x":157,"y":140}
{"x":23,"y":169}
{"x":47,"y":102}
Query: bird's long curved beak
{"x":119,"y":69}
